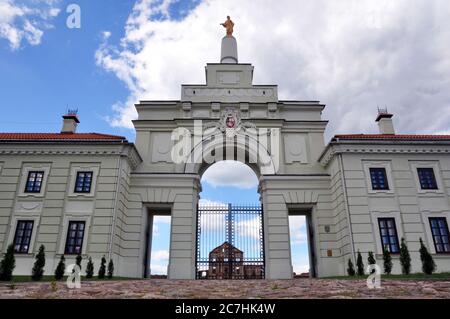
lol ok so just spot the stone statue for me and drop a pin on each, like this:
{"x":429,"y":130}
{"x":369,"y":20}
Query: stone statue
{"x":229,"y":26}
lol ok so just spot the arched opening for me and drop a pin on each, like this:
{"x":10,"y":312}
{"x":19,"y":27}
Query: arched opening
{"x":230,"y":243}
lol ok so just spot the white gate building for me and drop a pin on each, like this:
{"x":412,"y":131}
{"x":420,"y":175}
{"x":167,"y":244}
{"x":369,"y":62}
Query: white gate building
{"x":95,"y":194}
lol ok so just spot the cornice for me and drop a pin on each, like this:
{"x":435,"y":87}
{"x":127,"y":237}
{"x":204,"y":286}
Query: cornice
{"x":333,"y":149}
{"x":129,"y":151}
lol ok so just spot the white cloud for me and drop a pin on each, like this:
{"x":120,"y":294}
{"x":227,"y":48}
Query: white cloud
{"x":249,"y":228}
{"x":157,"y":269}
{"x":230,"y":174}
{"x":26,"y":20}
{"x":157,"y":222}
{"x":300,"y":268}
{"x":352,"y":55}
{"x":297,"y":229}
{"x":160,"y":255}
{"x":208,"y":202}
{"x":161,"y":220}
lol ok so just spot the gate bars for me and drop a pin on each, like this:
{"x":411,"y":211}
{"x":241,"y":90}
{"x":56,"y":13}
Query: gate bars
{"x":230,"y":242}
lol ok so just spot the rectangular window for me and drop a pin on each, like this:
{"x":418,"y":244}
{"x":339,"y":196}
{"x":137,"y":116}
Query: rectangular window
{"x":427,"y":179}
{"x":439,"y":230}
{"x":75,"y":235}
{"x":22,"y":238}
{"x":34,"y":182}
{"x":83,"y":182}
{"x":388,"y":233}
{"x":378,"y":178}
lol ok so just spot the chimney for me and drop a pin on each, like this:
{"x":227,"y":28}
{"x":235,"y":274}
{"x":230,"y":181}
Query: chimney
{"x":385,"y":123}
{"x":70,"y":122}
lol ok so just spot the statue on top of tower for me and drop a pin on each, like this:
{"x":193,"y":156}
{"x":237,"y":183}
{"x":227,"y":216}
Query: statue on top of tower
{"x":229,"y":26}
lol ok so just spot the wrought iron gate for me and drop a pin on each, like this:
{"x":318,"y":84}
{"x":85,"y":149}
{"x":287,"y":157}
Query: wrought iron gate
{"x":230,"y":242}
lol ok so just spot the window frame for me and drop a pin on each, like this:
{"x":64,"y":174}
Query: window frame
{"x":385,"y":177}
{"x":437,"y":175}
{"x":30,"y":237}
{"x":75,"y":238}
{"x":433,"y":236}
{"x":33,"y":191}
{"x":33,"y":167}
{"x":83,"y":168}
{"x":434,"y":177}
{"x":385,"y":219}
{"x":386,"y":164}
{"x":75,"y":191}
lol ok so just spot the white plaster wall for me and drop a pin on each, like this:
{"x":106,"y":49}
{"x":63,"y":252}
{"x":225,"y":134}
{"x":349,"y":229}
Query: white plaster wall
{"x":58,"y":204}
{"x":406,"y":203}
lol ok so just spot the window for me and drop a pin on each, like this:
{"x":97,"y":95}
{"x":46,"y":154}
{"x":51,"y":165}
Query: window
{"x":388,"y":233}
{"x":34,"y":182}
{"x":83,"y":182}
{"x":439,"y":230}
{"x":22,"y":238}
{"x":378,"y":178}
{"x":427,"y":179}
{"x":75,"y":235}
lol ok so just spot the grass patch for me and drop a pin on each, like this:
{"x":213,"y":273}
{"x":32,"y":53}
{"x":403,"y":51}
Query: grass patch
{"x":416,"y":276}
{"x":23,"y":279}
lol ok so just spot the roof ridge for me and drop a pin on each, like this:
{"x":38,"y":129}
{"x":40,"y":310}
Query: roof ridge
{"x":59,"y":136}
{"x":394,"y":136}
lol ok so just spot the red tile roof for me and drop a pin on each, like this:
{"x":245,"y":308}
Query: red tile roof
{"x":391,"y":137}
{"x":60,"y":137}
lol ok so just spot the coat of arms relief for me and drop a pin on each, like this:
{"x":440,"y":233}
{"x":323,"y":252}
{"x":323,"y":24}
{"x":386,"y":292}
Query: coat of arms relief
{"x":230,"y":123}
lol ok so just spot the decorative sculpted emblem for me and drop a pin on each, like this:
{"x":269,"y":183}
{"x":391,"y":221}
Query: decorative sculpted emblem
{"x":230,"y":120}
{"x":230,"y":123}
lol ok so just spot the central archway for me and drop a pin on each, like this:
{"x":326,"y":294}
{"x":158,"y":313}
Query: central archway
{"x":242,"y":147}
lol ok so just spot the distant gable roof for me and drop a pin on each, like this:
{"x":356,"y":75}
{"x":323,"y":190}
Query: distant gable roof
{"x":225,"y":244}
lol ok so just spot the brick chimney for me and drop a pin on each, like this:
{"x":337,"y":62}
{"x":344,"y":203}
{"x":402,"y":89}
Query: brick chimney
{"x":70,"y":122}
{"x":385,"y":123}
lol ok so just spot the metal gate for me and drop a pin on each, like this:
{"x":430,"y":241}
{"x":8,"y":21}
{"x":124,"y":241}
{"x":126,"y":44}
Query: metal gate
{"x":230,"y":242}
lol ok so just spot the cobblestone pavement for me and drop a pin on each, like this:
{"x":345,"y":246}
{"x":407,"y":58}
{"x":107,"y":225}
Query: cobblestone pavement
{"x":297,"y":288}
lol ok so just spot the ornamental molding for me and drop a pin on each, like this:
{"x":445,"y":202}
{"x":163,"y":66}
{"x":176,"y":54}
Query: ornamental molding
{"x":333,"y":150}
{"x":130,"y":153}
{"x":208,"y":92}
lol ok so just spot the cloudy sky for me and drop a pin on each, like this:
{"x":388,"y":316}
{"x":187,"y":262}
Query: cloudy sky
{"x":352,"y":55}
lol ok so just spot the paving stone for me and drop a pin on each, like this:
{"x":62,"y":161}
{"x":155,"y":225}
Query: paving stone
{"x":229,"y":289}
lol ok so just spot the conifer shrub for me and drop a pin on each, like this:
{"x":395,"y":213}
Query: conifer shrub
{"x":387,"y":261}
{"x":428,"y":265}
{"x":359,"y":264}
{"x":350,"y":269}
{"x":38,"y":268}
{"x":102,"y":269}
{"x":7,"y":264}
{"x":90,"y":268}
{"x":61,"y":268}
{"x":110,"y":269}
{"x":405,"y":258}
